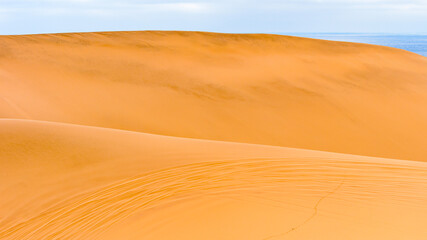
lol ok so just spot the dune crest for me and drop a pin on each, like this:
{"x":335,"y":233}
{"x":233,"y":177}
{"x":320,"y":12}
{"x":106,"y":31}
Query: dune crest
{"x":191,"y":135}
{"x":253,"y":88}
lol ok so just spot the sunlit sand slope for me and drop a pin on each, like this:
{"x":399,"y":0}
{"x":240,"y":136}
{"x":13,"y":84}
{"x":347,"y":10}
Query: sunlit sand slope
{"x":265,"y":89}
{"x":61,"y":181}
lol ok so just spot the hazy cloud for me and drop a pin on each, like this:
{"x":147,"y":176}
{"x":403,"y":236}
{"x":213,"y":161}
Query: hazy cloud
{"x":33,"y":16}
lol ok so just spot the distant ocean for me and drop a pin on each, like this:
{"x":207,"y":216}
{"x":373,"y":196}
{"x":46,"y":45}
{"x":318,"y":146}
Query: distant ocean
{"x":413,"y":43}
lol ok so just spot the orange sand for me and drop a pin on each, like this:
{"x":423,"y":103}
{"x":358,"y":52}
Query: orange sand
{"x":102,"y":137}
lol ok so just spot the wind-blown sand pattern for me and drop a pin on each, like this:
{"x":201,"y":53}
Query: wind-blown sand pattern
{"x":186,"y":135}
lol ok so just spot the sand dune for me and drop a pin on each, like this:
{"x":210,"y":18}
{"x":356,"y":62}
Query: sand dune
{"x":264,"y":89}
{"x":187,"y":135}
{"x":77,"y":182}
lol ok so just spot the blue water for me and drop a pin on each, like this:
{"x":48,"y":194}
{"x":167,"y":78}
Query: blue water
{"x":413,"y":43}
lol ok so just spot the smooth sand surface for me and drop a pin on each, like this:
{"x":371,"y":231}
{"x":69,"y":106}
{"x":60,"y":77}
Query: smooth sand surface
{"x":186,"y":135}
{"x":264,"y":89}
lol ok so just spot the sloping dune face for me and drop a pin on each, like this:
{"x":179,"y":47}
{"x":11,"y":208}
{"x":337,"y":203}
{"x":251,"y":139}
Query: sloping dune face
{"x":263,"y":89}
{"x":184,"y":135}
{"x":75,"y":182}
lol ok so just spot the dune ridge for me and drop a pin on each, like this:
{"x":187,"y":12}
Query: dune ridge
{"x":191,"y":135}
{"x":264,"y":89}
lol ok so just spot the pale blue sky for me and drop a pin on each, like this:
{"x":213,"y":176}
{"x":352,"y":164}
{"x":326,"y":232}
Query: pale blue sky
{"x":273,"y":16}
